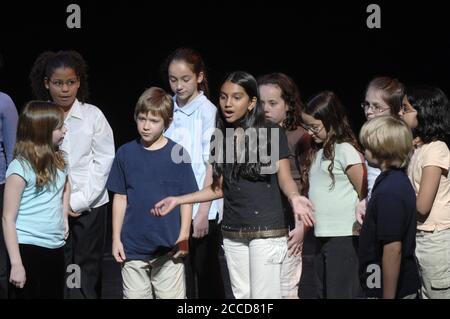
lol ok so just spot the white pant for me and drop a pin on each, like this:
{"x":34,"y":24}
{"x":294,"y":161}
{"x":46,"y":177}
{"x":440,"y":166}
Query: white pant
{"x":254,"y":266}
{"x":433,"y":255}
{"x":159,"y":278}
{"x":291,"y":272}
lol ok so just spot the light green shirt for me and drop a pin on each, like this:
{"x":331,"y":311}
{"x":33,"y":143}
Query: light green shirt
{"x":334,"y":207}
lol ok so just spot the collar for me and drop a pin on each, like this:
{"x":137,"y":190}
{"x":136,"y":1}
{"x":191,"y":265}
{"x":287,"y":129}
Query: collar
{"x":191,"y":107}
{"x":75,"y":110}
{"x":385,"y":174}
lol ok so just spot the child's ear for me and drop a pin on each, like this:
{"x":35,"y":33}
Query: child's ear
{"x":168,"y":123}
{"x":200,"y":77}
{"x":252,"y":104}
{"x":46,"y":84}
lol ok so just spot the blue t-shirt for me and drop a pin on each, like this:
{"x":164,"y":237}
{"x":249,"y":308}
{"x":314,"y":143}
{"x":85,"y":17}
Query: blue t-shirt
{"x":390,"y":217}
{"x":146,"y":177}
{"x":40,"y":219}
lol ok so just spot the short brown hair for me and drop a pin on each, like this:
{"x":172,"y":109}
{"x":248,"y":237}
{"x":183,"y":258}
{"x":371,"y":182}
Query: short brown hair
{"x":388,"y":139}
{"x":156,"y":101}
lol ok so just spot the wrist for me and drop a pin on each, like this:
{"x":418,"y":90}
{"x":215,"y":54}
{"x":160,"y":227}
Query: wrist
{"x":293,"y":196}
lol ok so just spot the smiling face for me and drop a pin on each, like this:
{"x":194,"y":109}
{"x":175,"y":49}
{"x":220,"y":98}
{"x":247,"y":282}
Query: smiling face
{"x":314,"y":127}
{"x":275,"y":107}
{"x":235,"y":102}
{"x":63,"y":87}
{"x":184,"y":82}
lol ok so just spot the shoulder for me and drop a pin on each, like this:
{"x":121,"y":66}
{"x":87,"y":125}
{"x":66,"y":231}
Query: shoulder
{"x":207,"y":108}
{"x":91,"y":111}
{"x":19,"y":167}
{"x":131,"y":146}
{"x":345,"y":147}
{"x":5,"y":101}
{"x":437,"y":147}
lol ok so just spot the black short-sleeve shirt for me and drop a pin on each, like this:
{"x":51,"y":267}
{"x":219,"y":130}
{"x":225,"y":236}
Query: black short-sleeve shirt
{"x":255,"y":205}
{"x":390,"y":216}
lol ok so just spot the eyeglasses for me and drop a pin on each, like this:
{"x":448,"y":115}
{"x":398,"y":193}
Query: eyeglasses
{"x":60,"y":83}
{"x":376,"y":108}
{"x":313,"y":129}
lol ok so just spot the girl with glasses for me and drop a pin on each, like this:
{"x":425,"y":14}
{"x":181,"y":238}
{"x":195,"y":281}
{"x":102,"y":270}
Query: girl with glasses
{"x":334,"y":171}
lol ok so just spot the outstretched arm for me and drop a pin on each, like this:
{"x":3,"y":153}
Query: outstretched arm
{"x":301,"y":206}
{"x":207,"y":194}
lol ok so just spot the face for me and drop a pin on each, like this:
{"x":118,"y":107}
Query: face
{"x":314,"y":127}
{"x":150,"y":127}
{"x":409,"y":114}
{"x":63,"y":86}
{"x":183,"y":81}
{"x":58,"y":135}
{"x":275,"y":107}
{"x":235,"y":102}
{"x":375,"y":105}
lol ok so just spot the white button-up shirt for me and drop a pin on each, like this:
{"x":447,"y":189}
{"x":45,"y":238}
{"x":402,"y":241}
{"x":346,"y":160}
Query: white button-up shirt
{"x":192,"y":127}
{"x":89,"y":148}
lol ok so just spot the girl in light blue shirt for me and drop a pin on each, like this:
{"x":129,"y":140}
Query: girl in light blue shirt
{"x":36,"y":204}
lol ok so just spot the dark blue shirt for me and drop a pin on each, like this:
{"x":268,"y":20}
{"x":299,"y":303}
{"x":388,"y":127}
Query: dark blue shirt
{"x":390,"y":217}
{"x":146,"y":177}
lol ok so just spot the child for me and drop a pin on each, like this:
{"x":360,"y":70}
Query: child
{"x":428,"y":171}
{"x":8,"y":127}
{"x":192,"y":126}
{"x":144,"y":172}
{"x":280,"y":99}
{"x":384,"y":96}
{"x":89,"y":145}
{"x":36,"y":195}
{"x":334,"y":170}
{"x":254,"y":226}
{"x":387,"y":241}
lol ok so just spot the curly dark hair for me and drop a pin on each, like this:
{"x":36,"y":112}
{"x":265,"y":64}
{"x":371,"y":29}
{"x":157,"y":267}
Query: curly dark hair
{"x":290,"y":95}
{"x":326,"y":107}
{"x":433,"y":109}
{"x":46,"y":64}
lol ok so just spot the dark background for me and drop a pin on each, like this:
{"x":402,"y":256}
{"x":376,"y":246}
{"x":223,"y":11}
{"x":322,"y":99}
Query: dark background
{"x":322,"y":45}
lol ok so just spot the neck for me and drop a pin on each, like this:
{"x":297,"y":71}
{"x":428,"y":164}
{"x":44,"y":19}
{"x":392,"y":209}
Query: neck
{"x":155,"y":145}
{"x":417,"y":142}
{"x":182,"y":103}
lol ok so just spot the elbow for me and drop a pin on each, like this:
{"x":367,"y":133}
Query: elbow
{"x":423,"y":210}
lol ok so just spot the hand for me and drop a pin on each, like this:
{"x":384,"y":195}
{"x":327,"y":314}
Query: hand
{"x":66,"y":228}
{"x":295,"y":242}
{"x":73,"y":214}
{"x":118,"y":251}
{"x":17,"y":276}
{"x":303,"y":209}
{"x":181,"y":249}
{"x":164,"y":206}
{"x":200,"y":224}
{"x":361,"y":210}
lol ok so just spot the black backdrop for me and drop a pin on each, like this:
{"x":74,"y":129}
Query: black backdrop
{"x":322,"y":45}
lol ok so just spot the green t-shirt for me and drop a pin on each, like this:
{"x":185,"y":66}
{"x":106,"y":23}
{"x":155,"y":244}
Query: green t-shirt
{"x":335,"y":207}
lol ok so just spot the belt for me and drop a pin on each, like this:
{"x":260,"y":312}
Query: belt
{"x":255,"y":234}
